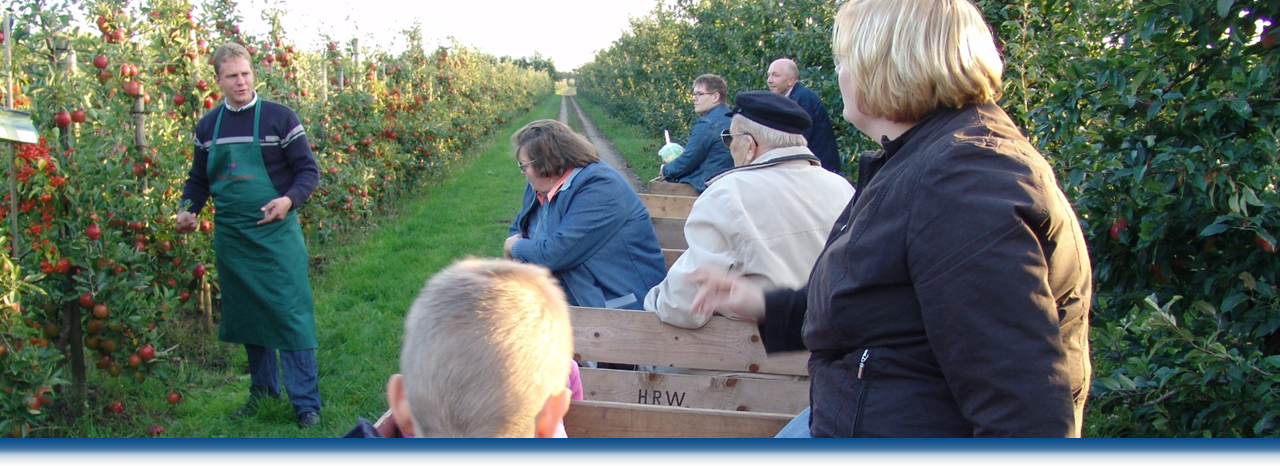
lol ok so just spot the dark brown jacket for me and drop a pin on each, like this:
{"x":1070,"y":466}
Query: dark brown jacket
{"x":952,"y":298}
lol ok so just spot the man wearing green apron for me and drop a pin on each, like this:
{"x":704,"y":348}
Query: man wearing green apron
{"x":253,"y":158}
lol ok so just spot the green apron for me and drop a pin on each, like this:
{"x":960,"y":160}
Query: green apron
{"x":262,"y":269}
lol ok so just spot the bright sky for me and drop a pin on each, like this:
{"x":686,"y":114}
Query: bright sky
{"x":569,"y":32}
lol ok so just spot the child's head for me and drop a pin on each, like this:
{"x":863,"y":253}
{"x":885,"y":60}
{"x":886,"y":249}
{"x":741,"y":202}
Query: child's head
{"x":485,"y":353}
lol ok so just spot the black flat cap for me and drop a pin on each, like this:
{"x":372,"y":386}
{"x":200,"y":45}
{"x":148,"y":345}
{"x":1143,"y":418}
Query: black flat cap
{"x":772,"y":110}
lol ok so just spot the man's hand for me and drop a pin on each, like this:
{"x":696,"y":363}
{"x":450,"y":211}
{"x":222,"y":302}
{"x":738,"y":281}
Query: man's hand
{"x":186,"y":222}
{"x":506,"y":246}
{"x":726,"y":293}
{"x":276,"y":210}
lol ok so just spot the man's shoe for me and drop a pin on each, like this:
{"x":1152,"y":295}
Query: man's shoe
{"x":249,"y":407}
{"x":308,"y":419}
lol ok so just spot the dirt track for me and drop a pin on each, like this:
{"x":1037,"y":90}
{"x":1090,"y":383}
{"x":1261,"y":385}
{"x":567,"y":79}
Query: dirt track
{"x":607,"y":153}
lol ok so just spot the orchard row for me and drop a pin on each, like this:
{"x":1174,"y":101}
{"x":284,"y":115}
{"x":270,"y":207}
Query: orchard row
{"x":1162,"y":130}
{"x":97,"y":271}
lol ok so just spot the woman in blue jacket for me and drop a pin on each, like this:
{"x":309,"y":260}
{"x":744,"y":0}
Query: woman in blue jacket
{"x":581,"y":220}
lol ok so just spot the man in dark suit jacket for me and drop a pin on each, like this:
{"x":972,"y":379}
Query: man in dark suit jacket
{"x":784,"y":78}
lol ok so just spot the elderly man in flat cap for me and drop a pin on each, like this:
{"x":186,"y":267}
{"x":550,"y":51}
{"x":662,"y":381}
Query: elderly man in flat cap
{"x":767,"y":218}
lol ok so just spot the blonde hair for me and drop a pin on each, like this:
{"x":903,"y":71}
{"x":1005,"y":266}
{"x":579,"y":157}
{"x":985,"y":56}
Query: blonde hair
{"x":553,"y":148}
{"x":228,"y":51}
{"x":907,"y":58}
{"x":485,"y":344}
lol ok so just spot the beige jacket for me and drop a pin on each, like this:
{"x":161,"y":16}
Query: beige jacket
{"x":767,"y":221}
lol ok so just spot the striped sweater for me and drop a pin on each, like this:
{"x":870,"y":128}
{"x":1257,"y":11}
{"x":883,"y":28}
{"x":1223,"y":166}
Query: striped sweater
{"x":286,"y":153}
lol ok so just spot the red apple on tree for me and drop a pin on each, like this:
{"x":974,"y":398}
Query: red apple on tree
{"x":132,"y":88}
{"x":86,"y":300}
{"x":62,"y":119}
{"x":198,"y":271}
{"x":1117,"y":226}
{"x":78,"y":116}
{"x":101,"y":311}
{"x":1265,"y":244}
{"x":100,"y":62}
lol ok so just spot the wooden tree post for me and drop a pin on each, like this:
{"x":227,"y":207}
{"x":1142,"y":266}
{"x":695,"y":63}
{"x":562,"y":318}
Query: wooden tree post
{"x":140,"y":133}
{"x":71,"y":313}
{"x":75,"y":339}
{"x":13,"y":170}
{"x":206,"y":303}
{"x":355,"y":53}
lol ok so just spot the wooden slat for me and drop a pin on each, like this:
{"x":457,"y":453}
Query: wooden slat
{"x":670,"y":255}
{"x":597,"y":419}
{"x":675,"y":189}
{"x":737,"y":393}
{"x":668,"y":206}
{"x":639,"y":337}
{"x":670,"y":232}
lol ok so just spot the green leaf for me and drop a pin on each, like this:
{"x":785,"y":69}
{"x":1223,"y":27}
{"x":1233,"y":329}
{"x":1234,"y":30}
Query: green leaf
{"x":1126,"y":383}
{"x":1265,"y":422}
{"x":1224,"y":7}
{"x":1108,"y":382}
{"x":1214,"y":229}
{"x":1205,"y":307}
{"x":1241,"y":106}
{"x":1251,"y":197}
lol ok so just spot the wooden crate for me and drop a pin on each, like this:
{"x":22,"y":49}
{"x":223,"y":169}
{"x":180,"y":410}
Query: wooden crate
{"x":736,"y":389}
{"x":668,"y":206}
{"x":667,"y":188}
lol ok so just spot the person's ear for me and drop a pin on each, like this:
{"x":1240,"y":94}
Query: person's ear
{"x":399,"y":404}
{"x":753,"y":149}
{"x":552,"y":413}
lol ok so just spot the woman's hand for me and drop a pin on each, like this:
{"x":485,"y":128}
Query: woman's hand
{"x":506,"y":246}
{"x":727,"y":293}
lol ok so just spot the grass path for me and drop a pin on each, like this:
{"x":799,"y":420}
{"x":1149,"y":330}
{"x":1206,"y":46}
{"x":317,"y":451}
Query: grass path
{"x":365,"y":287}
{"x":632,"y":142}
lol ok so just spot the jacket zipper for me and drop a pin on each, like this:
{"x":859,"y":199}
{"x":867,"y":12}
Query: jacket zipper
{"x":862,"y":394}
{"x":862,"y":364}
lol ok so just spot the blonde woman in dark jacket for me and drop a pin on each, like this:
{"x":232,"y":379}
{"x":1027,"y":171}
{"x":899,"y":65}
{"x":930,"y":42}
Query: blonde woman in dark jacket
{"x":952,"y":297}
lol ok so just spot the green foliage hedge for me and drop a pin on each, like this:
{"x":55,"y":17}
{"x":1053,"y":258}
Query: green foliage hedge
{"x":1160,"y":120}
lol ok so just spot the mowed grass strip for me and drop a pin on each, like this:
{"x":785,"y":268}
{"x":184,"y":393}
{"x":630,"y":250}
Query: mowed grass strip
{"x":633,"y":142}
{"x":363,"y":290}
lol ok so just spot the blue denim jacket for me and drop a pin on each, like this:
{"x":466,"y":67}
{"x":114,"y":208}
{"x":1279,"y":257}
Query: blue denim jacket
{"x":705,"y":155}
{"x":596,"y":238}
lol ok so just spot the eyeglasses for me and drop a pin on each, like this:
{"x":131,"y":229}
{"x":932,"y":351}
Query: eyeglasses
{"x":697,"y":94}
{"x":727,"y":138}
{"x":526,"y":164}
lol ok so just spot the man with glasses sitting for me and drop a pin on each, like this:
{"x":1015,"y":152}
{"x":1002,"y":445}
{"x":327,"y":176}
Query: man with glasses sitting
{"x":704,"y":156}
{"x":767,"y":219}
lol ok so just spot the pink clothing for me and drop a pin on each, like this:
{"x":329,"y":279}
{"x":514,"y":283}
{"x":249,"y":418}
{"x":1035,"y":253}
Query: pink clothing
{"x":575,"y":384}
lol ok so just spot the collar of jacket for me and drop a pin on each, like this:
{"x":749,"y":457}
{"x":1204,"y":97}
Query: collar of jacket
{"x":870,"y":162}
{"x":774,"y":157}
